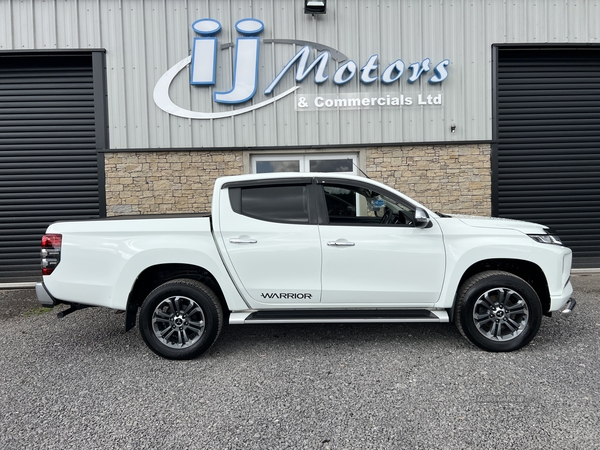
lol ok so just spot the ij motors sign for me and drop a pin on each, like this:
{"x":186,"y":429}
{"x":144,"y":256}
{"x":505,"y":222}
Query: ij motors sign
{"x":203,"y":66}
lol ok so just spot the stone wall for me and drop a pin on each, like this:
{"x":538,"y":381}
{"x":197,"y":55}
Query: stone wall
{"x":165,"y":182}
{"x":450,"y":179}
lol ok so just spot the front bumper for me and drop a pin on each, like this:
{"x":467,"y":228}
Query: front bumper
{"x":44,"y":296}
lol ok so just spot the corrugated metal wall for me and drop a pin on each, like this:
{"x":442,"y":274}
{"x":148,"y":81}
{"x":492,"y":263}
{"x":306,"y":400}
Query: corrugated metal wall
{"x":144,"y":38}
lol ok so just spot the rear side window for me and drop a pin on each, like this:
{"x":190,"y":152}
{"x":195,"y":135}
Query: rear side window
{"x":287,"y":204}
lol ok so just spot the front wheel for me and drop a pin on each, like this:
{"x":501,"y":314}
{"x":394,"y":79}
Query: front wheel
{"x":498,"y":311}
{"x":181,"y":319}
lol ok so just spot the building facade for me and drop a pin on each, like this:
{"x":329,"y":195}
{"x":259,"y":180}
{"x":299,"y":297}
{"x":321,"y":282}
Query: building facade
{"x":135,"y":106}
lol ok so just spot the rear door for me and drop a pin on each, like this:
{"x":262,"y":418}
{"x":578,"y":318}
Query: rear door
{"x":271,"y":239}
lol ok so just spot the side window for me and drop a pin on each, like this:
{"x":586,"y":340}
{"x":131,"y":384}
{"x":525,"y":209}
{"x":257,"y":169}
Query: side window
{"x":350,"y":205}
{"x":288,"y":204}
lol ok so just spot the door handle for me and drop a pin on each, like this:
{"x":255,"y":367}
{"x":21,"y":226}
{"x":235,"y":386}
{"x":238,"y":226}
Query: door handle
{"x":340,"y":244}
{"x":243,"y":241}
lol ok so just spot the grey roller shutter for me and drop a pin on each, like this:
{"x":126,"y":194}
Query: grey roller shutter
{"x":48,"y":152}
{"x":547,"y":162}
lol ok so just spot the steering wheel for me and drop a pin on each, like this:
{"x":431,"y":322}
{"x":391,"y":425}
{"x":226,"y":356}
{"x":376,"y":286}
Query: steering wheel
{"x":387,"y":216}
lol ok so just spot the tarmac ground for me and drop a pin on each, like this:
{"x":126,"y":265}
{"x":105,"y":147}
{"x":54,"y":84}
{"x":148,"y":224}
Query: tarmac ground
{"x":82,"y":382}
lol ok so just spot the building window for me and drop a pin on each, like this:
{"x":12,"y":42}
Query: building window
{"x":329,"y":162}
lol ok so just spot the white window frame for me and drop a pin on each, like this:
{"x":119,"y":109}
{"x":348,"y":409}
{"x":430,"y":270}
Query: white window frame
{"x":303,"y":158}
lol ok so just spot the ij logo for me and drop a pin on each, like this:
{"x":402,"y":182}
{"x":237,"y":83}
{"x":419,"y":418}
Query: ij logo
{"x":203,"y":66}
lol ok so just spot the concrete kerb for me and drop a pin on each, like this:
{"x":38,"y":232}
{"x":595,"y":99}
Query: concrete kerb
{"x":17,"y":286}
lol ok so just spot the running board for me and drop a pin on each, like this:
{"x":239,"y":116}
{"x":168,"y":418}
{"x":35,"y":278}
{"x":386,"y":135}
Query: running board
{"x":339,"y":316}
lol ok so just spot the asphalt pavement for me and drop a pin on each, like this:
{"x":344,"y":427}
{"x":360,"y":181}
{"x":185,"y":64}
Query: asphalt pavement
{"x":82,"y":382}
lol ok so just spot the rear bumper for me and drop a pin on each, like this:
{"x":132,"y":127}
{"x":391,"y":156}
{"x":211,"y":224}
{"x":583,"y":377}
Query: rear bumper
{"x":44,"y":296}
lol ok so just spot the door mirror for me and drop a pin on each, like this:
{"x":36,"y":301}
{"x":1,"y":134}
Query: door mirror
{"x":421,"y":218}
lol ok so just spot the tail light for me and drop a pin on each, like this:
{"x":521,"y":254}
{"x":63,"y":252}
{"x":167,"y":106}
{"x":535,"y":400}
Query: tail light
{"x":51,"y":245}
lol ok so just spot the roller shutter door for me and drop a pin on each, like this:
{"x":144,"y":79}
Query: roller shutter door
{"x":547,"y":161}
{"x":49,"y":137}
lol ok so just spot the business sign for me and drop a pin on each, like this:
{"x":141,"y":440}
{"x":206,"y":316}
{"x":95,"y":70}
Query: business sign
{"x":203,"y":65}
{"x":325,"y":102}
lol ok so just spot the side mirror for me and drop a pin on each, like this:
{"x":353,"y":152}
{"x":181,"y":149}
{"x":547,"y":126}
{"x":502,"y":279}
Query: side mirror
{"x":422,"y":220}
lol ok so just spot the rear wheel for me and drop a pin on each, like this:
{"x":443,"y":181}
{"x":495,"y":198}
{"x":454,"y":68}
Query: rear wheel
{"x":498,"y":311}
{"x":181,"y":319}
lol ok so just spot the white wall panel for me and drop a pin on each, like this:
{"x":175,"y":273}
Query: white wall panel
{"x":135,"y":47}
{"x":158,"y":122}
{"x":267,"y":12}
{"x":592,"y":13}
{"x":23,"y":24}
{"x":284,"y":27}
{"x":476,"y":76}
{"x":87,"y":16}
{"x":6,"y":29}
{"x":391,"y":48}
{"x":244,"y":125}
{"x":347,"y":23}
{"x":144,"y":38}
{"x":178,"y":42}
{"x":111,"y":22}
{"x":68,"y":9}
{"x":45,"y":23}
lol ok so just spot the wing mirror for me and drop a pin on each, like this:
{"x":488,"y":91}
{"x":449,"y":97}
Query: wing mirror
{"x":422,"y":220}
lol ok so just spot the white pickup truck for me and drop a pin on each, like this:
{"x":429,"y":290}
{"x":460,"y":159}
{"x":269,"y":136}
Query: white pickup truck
{"x":308,"y":248}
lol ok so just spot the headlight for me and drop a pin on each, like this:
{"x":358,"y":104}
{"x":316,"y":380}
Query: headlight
{"x":546,"y":238}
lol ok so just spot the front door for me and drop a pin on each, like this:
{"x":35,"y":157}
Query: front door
{"x":373,"y":255}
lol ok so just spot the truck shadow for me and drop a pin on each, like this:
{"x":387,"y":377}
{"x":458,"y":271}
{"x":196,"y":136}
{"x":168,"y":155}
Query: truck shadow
{"x":338,"y":337}
{"x":101,"y":332}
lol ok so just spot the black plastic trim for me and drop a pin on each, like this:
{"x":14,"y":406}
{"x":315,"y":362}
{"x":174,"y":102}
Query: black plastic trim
{"x":267,"y":182}
{"x":341,"y":314}
{"x":154,"y":217}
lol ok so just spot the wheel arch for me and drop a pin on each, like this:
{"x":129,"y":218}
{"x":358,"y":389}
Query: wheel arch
{"x":154,"y":276}
{"x":528,"y":271}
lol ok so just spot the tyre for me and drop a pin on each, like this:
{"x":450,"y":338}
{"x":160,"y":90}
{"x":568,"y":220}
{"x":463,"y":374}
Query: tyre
{"x":181,"y":319}
{"x":498,"y":311}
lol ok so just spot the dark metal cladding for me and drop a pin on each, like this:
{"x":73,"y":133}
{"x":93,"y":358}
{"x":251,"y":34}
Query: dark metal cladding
{"x":50,"y":113}
{"x":546,"y":162}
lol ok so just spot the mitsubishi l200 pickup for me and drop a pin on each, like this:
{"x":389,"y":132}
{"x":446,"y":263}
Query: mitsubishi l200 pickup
{"x":308,"y":248}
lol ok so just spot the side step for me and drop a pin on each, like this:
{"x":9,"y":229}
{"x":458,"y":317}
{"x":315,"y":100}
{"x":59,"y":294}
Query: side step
{"x":338,"y":316}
